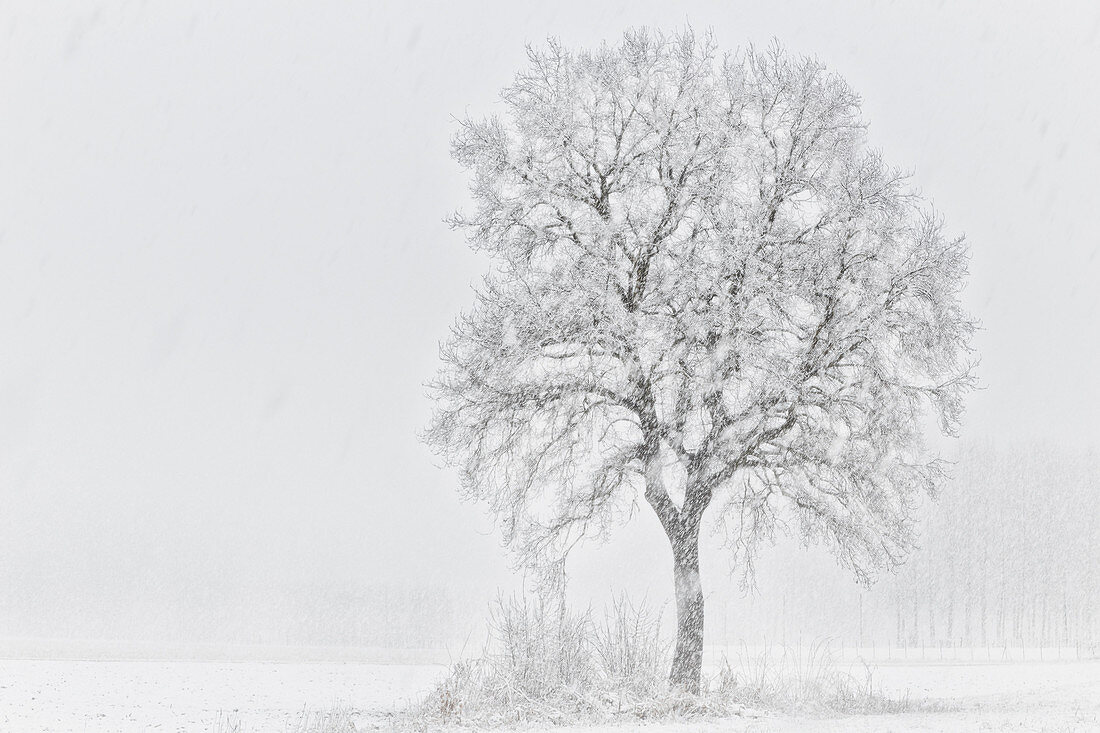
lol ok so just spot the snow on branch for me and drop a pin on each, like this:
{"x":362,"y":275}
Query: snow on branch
{"x":698,"y":257}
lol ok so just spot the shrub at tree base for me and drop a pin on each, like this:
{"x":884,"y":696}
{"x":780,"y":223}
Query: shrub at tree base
{"x":550,"y":664}
{"x":547,"y":664}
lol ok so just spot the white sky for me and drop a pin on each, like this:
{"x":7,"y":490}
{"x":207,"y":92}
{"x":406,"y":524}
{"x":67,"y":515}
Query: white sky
{"x":224,"y":274}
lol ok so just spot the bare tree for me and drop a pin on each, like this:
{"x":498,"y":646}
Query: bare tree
{"x":706,"y":290}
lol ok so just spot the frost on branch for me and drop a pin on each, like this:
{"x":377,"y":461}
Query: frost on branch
{"x":706,"y":289}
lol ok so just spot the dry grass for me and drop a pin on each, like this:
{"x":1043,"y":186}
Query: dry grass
{"x":337,"y":719}
{"x":548,"y":665}
{"x":810,"y":680}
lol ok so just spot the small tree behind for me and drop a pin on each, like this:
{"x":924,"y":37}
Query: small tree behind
{"x":706,"y":290}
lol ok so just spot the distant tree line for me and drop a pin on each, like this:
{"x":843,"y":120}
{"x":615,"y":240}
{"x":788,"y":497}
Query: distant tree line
{"x":1009,"y":554}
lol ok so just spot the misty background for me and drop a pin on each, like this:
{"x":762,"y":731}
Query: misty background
{"x":224,"y":275}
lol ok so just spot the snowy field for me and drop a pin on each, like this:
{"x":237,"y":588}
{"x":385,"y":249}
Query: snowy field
{"x":136,"y":696}
{"x":133,"y":696}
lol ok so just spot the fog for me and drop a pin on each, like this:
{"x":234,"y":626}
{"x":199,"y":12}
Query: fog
{"x":224,"y":275}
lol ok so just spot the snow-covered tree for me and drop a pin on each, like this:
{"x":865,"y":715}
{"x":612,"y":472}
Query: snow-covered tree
{"x":706,"y":291}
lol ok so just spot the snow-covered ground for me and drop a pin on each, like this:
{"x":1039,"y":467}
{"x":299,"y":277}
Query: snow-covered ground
{"x":138,"y":696}
{"x":132,"y":696}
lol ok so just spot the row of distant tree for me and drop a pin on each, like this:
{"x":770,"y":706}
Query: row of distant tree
{"x":1009,"y":554}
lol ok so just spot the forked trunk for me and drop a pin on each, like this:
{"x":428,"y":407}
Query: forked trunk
{"x":682,"y":528}
{"x":687,"y":663}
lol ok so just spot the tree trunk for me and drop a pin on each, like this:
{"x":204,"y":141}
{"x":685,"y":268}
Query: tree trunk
{"x":687,"y":664}
{"x":682,"y":527}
